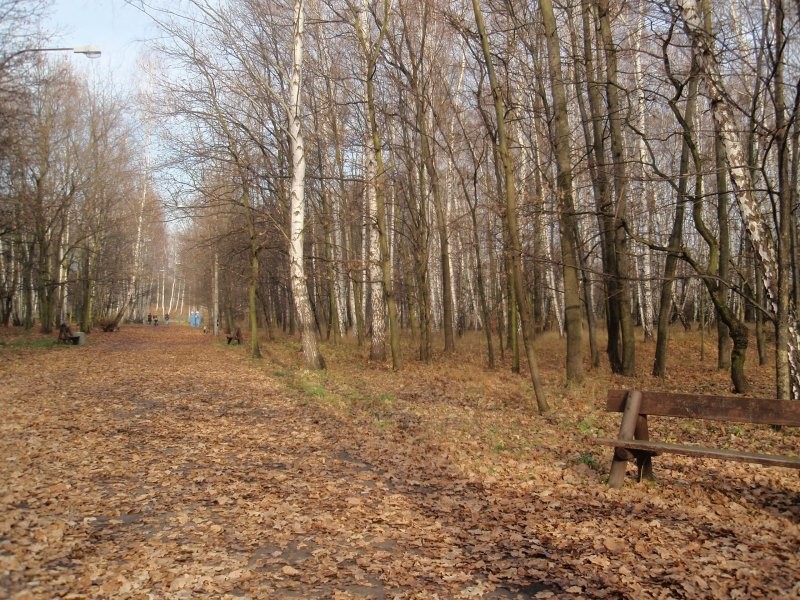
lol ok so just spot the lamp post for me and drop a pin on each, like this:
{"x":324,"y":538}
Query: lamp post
{"x":88,"y":50}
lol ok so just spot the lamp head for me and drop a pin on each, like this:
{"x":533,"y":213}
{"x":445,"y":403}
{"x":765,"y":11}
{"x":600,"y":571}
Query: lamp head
{"x":89,"y":51}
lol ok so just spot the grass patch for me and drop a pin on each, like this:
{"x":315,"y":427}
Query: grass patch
{"x":380,"y":406}
{"x":30,"y":343}
{"x":312,"y":389}
{"x":589,"y":460}
{"x":588,"y":425}
{"x":689,"y":427}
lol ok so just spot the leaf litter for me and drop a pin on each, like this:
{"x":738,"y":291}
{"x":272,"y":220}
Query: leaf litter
{"x":156,"y":463}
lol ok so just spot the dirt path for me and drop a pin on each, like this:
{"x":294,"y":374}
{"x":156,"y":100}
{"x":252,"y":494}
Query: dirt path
{"x":155,"y":463}
{"x":151,"y":461}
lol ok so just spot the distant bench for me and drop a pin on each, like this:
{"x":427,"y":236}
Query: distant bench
{"x":235,"y":336}
{"x":633,"y":441}
{"x":66,"y":336}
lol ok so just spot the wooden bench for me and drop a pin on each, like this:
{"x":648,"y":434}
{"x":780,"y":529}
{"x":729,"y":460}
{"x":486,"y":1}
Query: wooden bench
{"x":633,"y":441}
{"x":236,"y":336}
{"x":66,"y":336}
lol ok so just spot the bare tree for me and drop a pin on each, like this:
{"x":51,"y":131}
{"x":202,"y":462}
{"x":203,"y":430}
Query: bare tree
{"x":760,"y":234}
{"x":520,"y":292}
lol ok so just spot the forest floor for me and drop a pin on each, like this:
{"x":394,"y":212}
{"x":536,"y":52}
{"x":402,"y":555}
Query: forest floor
{"x":158,"y":462}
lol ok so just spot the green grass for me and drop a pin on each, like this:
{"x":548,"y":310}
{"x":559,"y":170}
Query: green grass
{"x":30,"y":343}
{"x":589,"y":460}
{"x":380,"y":406}
{"x":314,"y":389}
{"x":588,"y":425}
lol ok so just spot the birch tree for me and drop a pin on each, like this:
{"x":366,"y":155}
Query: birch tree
{"x":760,"y":235}
{"x":376,"y":190}
{"x":313,"y":356}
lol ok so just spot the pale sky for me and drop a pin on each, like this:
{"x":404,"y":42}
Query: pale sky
{"x":118,"y":29}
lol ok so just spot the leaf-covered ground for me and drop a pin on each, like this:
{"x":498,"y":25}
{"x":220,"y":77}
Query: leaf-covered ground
{"x":160,"y":463}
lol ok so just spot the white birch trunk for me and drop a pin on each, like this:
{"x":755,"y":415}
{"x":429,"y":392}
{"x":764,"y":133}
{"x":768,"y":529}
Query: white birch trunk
{"x":377,"y":300}
{"x":340,"y":285}
{"x":760,"y":235}
{"x":378,"y":337}
{"x":646,"y":288}
{"x":137,"y":248}
{"x":553,"y":285}
{"x":183,"y":296}
{"x":302,"y":303}
{"x":62,"y":277}
{"x":434,"y":265}
{"x":172,"y":295}
{"x":215,"y":314}
{"x":162,"y":296}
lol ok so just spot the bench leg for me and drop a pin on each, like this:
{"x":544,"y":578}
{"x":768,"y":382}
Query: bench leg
{"x":618,"y":468}
{"x":627,"y":429}
{"x":644,"y":467}
{"x":644,"y":460}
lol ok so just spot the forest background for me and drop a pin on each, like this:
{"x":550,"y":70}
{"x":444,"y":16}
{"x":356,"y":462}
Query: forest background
{"x":370,"y":171}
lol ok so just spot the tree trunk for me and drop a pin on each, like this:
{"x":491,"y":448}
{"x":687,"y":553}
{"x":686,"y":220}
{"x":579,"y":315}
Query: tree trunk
{"x":784,"y":245}
{"x":252,"y":290}
{"x":581,"y":73}
{"x":441,"y":229}
{"x":568,"y":229}
{"x":313,"y":357}
{"x":215,"y":310}
{"x":520,"y":292}
{"x":622,"y":299}
{"x":89,"y":283}
{"x":377,"y":350}
{"x":676,"y":235}
{"x":602,"y":190}
{"x":375,"y":182}
{"x":723,"y":333}
{"x":486,"y":315}
{"x":760,"y":235}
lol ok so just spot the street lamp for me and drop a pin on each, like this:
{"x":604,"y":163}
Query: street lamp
{"x":89,"y":51}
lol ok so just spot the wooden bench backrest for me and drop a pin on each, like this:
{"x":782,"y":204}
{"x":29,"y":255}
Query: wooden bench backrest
{"x":716,"y":408}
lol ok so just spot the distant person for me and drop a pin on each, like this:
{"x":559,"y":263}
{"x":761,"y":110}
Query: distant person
{"x":166,"y":319}
{"x":155,"y":320}
{"x":149,"y":319}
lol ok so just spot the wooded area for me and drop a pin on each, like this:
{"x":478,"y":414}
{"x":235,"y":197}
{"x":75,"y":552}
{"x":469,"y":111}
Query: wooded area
{"x":439,"y":233}
{"x":388,"y":168}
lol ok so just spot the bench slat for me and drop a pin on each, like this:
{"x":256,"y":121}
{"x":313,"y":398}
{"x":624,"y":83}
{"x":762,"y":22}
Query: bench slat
{"x":792,"y":462}
{"x":717,"y":408}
